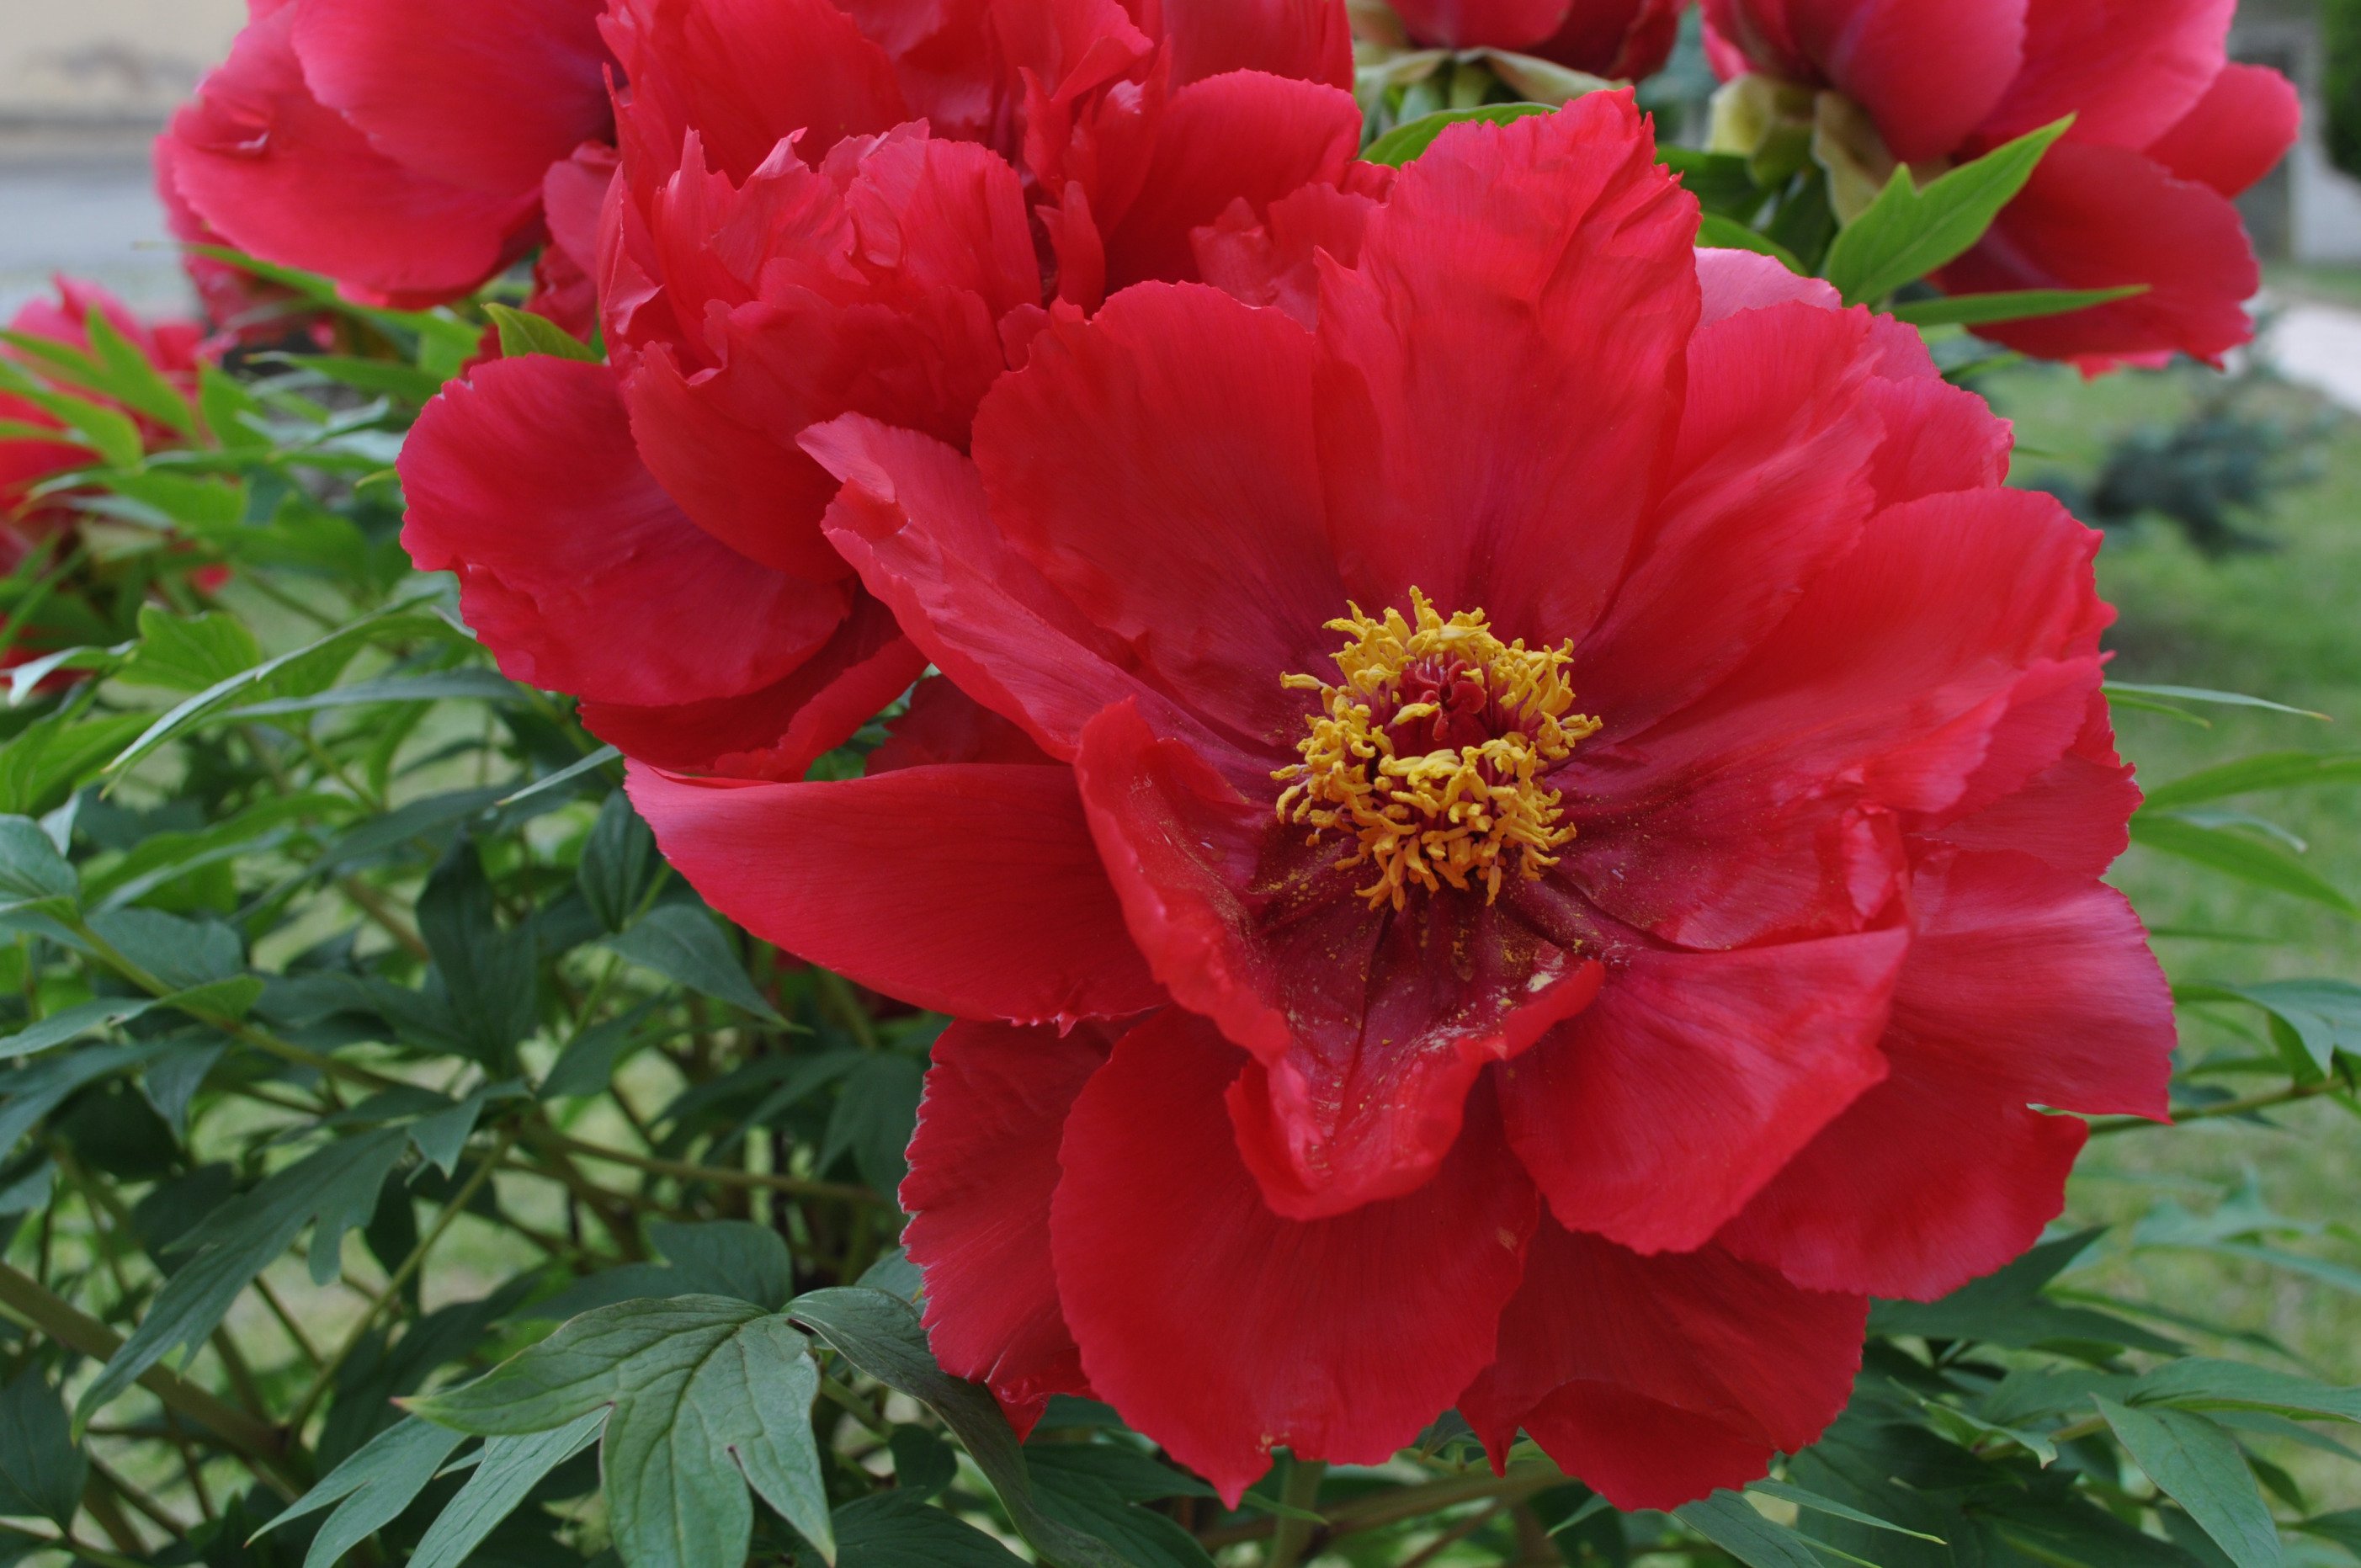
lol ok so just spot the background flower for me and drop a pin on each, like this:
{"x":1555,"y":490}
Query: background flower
{"x":2166,"y":132}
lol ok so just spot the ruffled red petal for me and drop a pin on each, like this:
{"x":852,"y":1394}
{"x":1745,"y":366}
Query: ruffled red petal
{"x":744,"y":74}
{"x":982,"y":1165}
{"x":1655,"y":1115}
{"x":2024,"y":985}
{"x":1244,"y":136}
{"x":1158,"y":467}
{"x":1927,"y":74}
{"x":485,"y":94}
{"x":1308,"y":39}
{"x":574,"y":568}
{"x":1758,"y":810}
{"x":1493,"y":23}
{"x":1657,"y":1380}
{"x":2126,"y":69}
{"x":2072,"y":815}
{"x":1502,"y":374}
{"x":972,"y":890}
{"x":1367,"y":1026}
{"x":278,"y":174}
{"x":1222,"y":1331}
{"x":2097,"y":217}
{"x":2237,"y":134}
{"x":912,"y":518}
{"x":779,"y":730}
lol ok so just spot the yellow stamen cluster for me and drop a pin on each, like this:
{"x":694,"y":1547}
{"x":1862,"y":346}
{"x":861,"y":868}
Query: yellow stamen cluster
{"x":1449,"y":818}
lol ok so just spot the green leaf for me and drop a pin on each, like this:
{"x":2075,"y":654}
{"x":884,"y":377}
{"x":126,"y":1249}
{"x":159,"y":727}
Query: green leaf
{"x":2201,"y":1383}
{"x":32,"y":873}
{"x":59,"y":754}
{"x":109,"y":432}
{"x":875,"y":1113}
{"x":1727,"y":1520}
{"x":2208,"y":695}
{"x":880,"y":1334}
{"x":332,"y":1191}
{"x":2008,"y":1308}
{"x":1803,"y":1499}
{"x":41,"y":1468}
{"x":71,"y":1024}
{"x":1728,"y":233}
{"x":680,"y":942}
{"x":1908,"y":233}
{"x":443,"y":685}
{"x":2324,"y":1015}
{"x":1091,"y":1505}
{"x":387,"y":377}
{"x":710,"y":1396}
{"x":619,"y":864}
{"x":1721,"y":181}
{"x":131,"y":379}
{"x":189,"y":654}
{"x":2022,"y":304}
{"x":893,"y":1531}
{"x":2343,"y":1528}
{"x":510,"y":1468}
{"x":230,"y":410}
{"x":523,"y":333}
{"x":1404,"y":143}
{"x":2248,"y":776}
{"x":587,"y":1065}
{"x":924,"y":1465}
{"x":490,"y":973}
{"x":2238,"y":855}
{"x":370,"y":1490}
{"x":2198,"y":1465}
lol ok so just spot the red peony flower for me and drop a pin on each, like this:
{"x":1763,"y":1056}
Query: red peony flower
{"x":1618,"y":38}
{"x":401,"y":147}
{"x":2138,"y":192}
{"x":791,"y":237}
{"x":1527,"y":844}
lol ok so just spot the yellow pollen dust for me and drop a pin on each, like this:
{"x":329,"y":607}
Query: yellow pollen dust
{"x":1449,"y":817}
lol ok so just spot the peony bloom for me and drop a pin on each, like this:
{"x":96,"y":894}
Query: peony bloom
{"x":1624,"y":39}
{"x":2138,"y":192}
{"x":1522,"y":833}
{"x":401,"y":147}
{"x":815,"y":215}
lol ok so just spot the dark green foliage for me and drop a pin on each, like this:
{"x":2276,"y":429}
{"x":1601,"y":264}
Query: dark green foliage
{"x":2340,"y":28}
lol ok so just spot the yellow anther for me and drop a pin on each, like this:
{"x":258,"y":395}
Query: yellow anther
{"x":1445,"y":817}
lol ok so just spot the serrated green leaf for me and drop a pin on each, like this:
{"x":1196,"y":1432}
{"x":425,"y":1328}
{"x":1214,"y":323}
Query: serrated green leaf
{"x":370,"y":1490}
{"x":523,"y":333}
{"x":681,"y":943}
{"x":1908,"y":233}
{"x":41,"y":1468}
{"x":880,"y":1334}
{"x":2198,"y":1465}
{"x":709,"y":1396}
{"x":510,"y":1467}
{"x":1405,"y":142}
{"x":2023,"y":304}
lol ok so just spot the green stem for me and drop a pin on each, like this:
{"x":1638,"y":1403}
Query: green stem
{"x":1292,"y":1537}
{"x":2248,"y":1106}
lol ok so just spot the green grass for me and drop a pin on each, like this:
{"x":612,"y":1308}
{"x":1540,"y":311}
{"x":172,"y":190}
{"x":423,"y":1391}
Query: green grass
{"x":2285,"y":625}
